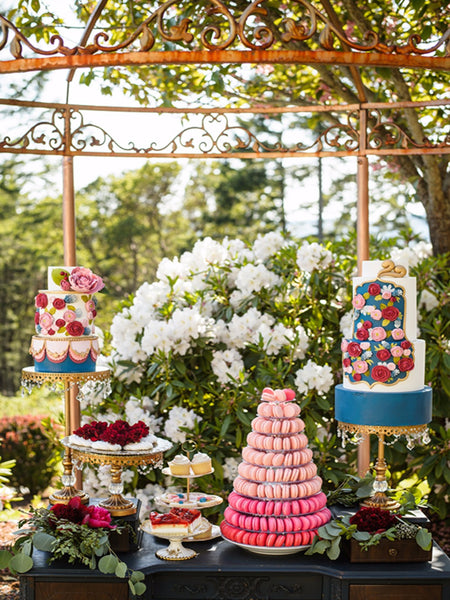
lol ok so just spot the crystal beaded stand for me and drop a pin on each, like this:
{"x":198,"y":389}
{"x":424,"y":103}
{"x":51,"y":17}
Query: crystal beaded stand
{"x":69,"y":381}
{"x":357,"y":433}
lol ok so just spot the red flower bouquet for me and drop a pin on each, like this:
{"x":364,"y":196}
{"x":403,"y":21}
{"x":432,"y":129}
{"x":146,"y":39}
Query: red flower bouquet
{"x":373,"y":520}
{"x":120,"y":432}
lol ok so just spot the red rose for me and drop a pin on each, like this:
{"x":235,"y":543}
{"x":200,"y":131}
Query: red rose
{"x":383,"y":354}
{"x":59,"y":303}
{"x":367,"y":324}
{"x":374,"y":289}
{"x":380,"y":373}
{"x":74,"y":511}
{"x":390,"y":313}
{"x":346,"y":362}
{"x":354,"y":349}
{"x":362,"y":334}
{"x":41,"y":301}
{"x":373,"y":519}
{"x":51,"y":332}
{"x":75,"y":328}
{"x":405,"y":345}
{"x":36,"y":318}
{"x":60,"y":322}
{"x":406,"y":364}
{"x":357,"y":376}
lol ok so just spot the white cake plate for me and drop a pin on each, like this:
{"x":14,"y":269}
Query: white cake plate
{"x":269,"y":550}
{"x":175,"y":550}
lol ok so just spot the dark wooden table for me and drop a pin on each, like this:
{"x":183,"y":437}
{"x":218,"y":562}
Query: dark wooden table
{"x":222,"y":571}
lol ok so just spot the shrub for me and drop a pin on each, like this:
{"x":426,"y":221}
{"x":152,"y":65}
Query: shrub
{"x":30,"y":441}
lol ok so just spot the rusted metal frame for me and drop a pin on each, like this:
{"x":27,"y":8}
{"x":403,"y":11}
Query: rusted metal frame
{"x":362,"y":245}
{"x":238,"y":110}
{"x":210,"y":57}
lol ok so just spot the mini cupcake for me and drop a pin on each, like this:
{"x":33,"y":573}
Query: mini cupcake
{"x":180,"y":465}
{"x":201,"y":464}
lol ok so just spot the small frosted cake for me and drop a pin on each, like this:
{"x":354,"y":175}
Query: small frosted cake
{"x":180,"y":465}
{"x":179,"y":521}
{"x":201,"y":464}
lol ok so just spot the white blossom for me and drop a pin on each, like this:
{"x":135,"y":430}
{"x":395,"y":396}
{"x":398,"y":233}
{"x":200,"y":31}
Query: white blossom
{"x":346,"y":324}
{"x":302,"y":342}
{"x":227,"y":365}
{"x":253,"y":278}
{"x":314,"y":376}
{"x":230,"y":468}
{"x":178,"y":417}
{"x":267,"y":245}
{"x":311,"y":257}
{"x":428,"y":300}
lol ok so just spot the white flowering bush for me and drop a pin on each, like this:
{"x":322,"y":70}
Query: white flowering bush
{"x":192,"y":350}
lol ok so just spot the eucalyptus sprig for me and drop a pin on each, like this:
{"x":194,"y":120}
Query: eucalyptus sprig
{"x":74,"y":542}
{"x":329,"y":536}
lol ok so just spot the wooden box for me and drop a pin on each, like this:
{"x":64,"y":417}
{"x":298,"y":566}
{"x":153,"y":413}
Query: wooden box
{"x":396,"y":551}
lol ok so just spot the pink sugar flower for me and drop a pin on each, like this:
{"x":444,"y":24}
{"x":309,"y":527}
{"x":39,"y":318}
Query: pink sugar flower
{"x":46,"y":321}
{"x":391,"y":366}
{"x":376,"y":314}
{"x":365,"y":345}
{"x":360,"y":366}
{"x":85,"y":281}
{"x":386,"y":295}
{"x":378,"y":334}
{"x":397,"y":351}
{"x":398,"y":334}
{"x":358,"y":301}
{"x":69,"y":316}
{"x":344,"y":345}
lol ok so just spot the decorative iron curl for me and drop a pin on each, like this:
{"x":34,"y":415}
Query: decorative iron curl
{"x":214,"y":36}
{"x":78,"y":143}
{"x":387,"y":134}
{"x":36,"y":135}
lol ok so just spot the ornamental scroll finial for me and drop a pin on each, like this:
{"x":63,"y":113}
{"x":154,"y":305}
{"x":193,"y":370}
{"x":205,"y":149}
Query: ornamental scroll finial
{"x":391,"y":269}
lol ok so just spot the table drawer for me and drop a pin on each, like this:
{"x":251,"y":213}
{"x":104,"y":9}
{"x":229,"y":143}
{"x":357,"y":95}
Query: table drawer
{"x":202,"y":586}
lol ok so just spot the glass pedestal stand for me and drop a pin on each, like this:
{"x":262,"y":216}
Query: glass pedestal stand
{"x":117,"y":505}
{"x":30,"y":378}
{"x":413,"y":433}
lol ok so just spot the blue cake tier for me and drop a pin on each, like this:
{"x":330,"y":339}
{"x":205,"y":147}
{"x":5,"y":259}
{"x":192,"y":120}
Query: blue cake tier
{"x":66,"y":366}
{"x":396,"y":409}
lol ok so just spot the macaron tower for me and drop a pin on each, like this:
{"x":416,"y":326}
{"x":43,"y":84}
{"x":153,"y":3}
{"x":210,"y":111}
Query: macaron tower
{"x":276,"y":500}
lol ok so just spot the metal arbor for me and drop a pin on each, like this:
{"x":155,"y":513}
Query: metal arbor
{"x":296,"y":33}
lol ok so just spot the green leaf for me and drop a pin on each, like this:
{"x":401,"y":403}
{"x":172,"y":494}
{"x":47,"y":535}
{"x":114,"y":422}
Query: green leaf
{"x":137,"y":576}
{"x":21,"y":563}
{"x":335,"y":549}
{"x":108,"y":564}
{"x":424,"y":539}
{"x":361,"y":536}
{"x":43,"y":541}
{"x":5,"y":557}
{"x":139,"y":588}
{"x":321,"y":546}
{"x":121,"y":570}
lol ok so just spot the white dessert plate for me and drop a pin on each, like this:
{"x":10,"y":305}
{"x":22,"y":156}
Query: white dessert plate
{"x":172,"y":499}
{"x":269,"y":551}
{"x":167,"y":471}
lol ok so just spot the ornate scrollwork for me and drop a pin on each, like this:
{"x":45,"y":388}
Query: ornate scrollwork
{"x":254,"y":29}
{"x":45,"y":135}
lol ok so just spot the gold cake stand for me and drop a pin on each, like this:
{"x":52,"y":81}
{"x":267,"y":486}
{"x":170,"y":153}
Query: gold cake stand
{"x":31,"y":378}
{"x":379,"y":499}
{"x":117,"y":505}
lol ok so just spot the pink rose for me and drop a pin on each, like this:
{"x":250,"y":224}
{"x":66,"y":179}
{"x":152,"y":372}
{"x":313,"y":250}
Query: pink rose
{"x":46,"y":320}
{"x":376,"y":314}
{"x":41,"y":301}
{"x":398,"y":334}
{"x":97,"y":517}
{"x":365,"y":345}
{"x":69,"y":316}
{"x":378,"y":334}
{"x":360,"y":366}
{"x":358,"y":301}
{"x":90,"y":305}
{"x":344,"y":345}
{"x":83,"y":280}
{"x":396,"y":351}
{"x":386,"y":295}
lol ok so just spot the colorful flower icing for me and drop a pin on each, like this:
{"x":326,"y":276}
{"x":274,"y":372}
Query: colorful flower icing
{"x":378,"y":351}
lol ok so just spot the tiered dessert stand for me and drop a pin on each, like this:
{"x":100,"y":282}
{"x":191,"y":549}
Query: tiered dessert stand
{"x":30,"y":378}
{"x":117,"y":505}
{"x":176,"y":550}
